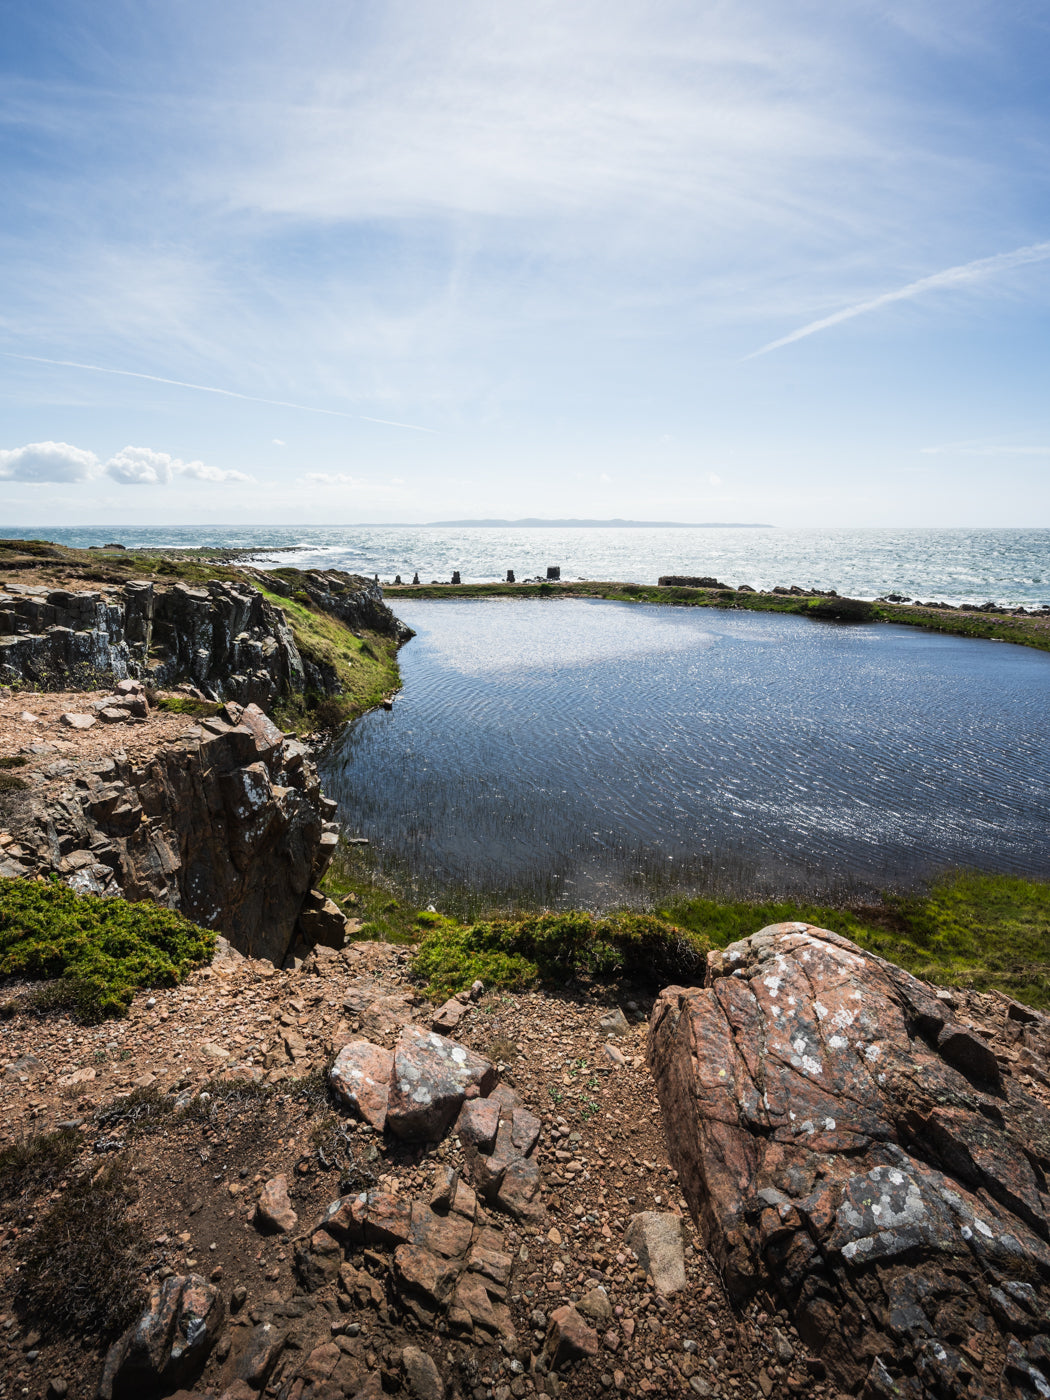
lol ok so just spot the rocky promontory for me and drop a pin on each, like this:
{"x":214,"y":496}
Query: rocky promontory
{"x":141,"y":757}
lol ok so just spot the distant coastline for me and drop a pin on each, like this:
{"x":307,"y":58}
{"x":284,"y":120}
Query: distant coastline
{"x":534,"y":523}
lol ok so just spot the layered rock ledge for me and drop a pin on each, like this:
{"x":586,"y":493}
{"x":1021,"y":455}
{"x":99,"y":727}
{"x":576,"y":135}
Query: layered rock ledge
{"x":851,"y":1147}
{"x":223,"y":636}
{"x":224,"y":821}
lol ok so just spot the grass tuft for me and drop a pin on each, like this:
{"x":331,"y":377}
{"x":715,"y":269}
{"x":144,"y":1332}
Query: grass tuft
{"x":82,"y":1275}
{"x":36,"y":1163}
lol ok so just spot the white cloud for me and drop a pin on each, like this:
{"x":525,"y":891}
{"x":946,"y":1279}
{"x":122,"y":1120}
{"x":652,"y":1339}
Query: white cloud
{"x":199,"y":472}
{"x":714,"y":479}
{"x":139,"y":466}
{"x":48,"y":461}
{"x":280,"y":442}
{"x":131,"y":466}
{"x":331,"y":479}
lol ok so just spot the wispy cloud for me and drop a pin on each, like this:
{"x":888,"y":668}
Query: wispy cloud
{"x":958,"y":276}
{"x":211,"y":389}
{"x":331,"y":479}
{"x":976,"y":449}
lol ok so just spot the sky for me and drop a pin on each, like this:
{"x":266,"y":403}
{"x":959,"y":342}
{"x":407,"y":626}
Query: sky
{"x":401,"y":261}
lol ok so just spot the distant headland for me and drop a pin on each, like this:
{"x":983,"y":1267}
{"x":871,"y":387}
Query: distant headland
{"x":532,"y":522}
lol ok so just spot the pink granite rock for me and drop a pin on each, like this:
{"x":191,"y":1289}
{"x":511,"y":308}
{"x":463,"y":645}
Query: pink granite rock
{"x":431,"y":1077}
{"x":361,"y":1078}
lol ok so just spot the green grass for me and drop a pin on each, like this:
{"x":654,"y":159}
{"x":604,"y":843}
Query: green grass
{"x":364,"y":668}
{"x":95,"y":953}
{"x":386,"y":917}
{"x":187,"y":705}
{"x":970,"y":930}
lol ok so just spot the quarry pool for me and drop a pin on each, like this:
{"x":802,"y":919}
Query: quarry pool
{"x":569,"y":752}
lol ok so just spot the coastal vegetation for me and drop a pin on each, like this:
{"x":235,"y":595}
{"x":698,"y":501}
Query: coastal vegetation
{"x":968,"y":929}
{"x":90,"y":954}
{"x":1025,"y":629}
{"x":365,"y":666}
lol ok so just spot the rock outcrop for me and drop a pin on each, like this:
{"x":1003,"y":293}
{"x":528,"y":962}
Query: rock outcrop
{"x":229,"y":827}
{"x":849,"y":1145}
{"x":224,"y":637}
{"x":169,"y":1343}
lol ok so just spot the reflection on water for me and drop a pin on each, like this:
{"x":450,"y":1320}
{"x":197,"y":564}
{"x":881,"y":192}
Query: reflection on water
{"x":591,"y":753}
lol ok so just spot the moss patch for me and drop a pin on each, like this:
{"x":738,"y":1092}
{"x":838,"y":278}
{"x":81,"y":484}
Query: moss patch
{"x":98,"y":952}
{"x":970,"y":930}
{"x":187,"y":705}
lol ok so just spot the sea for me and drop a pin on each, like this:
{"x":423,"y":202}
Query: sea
{"x":1009,"y":567}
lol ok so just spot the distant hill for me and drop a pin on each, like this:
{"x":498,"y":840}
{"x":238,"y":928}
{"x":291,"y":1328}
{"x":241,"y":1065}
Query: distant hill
{"x":531,"y":522}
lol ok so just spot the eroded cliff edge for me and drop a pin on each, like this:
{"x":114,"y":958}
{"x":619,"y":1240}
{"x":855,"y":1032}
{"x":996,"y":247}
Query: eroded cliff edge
{"x":222,"y":819}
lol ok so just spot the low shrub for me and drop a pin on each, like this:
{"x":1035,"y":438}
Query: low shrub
{"x":555,"y":947}
{"x":36,"y":1163}
{"x":98,"y":951}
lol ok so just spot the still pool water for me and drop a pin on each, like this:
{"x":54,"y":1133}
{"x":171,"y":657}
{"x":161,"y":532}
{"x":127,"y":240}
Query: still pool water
{"x":576,"y":752}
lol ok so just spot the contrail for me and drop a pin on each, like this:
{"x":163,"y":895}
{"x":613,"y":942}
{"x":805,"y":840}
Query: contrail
{"x":210,"y":389}
{"x":950,"y":277}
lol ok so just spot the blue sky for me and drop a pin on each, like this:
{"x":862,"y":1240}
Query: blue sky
{"x":341,"y":262}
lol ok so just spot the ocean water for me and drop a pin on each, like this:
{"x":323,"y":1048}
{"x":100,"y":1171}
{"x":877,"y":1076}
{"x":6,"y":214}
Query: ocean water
{"x":590,"y":753}
{"x":1010,"y":567}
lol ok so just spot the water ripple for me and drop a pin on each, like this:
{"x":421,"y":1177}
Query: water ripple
{"x":594,"y":752}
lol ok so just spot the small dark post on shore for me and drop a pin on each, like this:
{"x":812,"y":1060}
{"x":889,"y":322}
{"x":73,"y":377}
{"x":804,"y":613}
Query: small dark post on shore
{"x":510,"y":576}
{"x":554,"y":572}
{"x":455,"y":576}
{"x":397,"y":578}
{"x":415,"y":578}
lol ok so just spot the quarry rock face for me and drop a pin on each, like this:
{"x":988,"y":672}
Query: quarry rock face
{"x":846,"y":1144}
{"x":224,"y":637}
{"x":230,"y":829}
